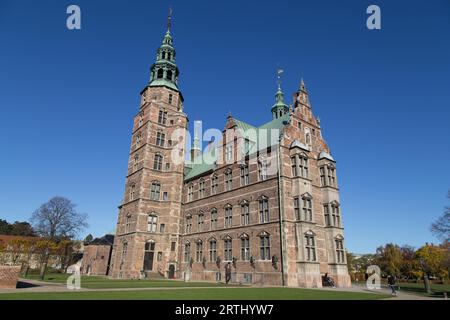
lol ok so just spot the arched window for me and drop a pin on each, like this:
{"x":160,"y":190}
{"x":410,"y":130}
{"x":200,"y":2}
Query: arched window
{"x":212,"y":250}
{"x":307,"y":207}
{"x":214,"y":184}
{"x":187,"y":251}
{"x":163,"y":55}
{"x":155,"y":190}
{"x":132,"y":191}
{"x":169,"y":75}
{"x":310,"y":246}
{"x":188,"y":223}
{"x":157,"y":162}
{"x":228,"y":216}
{"x":245,"y":247}
{"x":200,"y":221}
{"x":228,"y":180}
{"x":227,"y":248}
{"x":335,"y":214}
{"x":340,"y":253}
{"x":245,"y":213}
{"x":264,"y":246}
{"x":160,"y":73}
{"x":199,"y":251}
{"x":263,"y":209}
{"x":152,"y":221}
{"x":213,"y":219}
{"x":201,"y":188}
{"x":128,"y":223}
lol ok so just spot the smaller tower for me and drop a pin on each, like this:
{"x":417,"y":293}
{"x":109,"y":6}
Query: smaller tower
{"x":279,"y":108}
{"x":301,"y":96}
{"x":195,"y":150}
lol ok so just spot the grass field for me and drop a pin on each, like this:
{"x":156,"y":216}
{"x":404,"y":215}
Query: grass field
{"x":93,"y":282}
{"x":419,"y":288}
{"x":178,"y":290}
{"x":198,"y":294}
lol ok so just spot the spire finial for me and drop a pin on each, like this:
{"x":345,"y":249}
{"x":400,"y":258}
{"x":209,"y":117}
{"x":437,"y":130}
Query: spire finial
{"x":169,"y":19}
{"x":279,"y":73}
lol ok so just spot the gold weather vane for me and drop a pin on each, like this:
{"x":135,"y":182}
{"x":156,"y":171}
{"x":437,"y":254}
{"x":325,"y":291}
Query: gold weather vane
{"x":169,"y":19}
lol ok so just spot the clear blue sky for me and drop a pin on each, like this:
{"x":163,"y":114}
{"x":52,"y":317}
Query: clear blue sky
{"x":68,"y":98}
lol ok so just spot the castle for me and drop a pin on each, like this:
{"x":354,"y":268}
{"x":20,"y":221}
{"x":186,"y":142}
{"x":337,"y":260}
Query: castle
{"x":264,"y":199}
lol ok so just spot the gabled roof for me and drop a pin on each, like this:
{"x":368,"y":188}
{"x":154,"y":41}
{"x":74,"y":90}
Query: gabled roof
{"x":107,"y":239}
{"x":200,"y":166}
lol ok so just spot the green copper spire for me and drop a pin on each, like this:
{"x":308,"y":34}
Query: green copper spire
{"x":164,"y":72}
{"x":279,"y":108}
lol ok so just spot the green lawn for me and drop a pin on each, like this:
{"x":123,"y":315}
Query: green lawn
{"x":96,"y":282}
{"x":199,"y":294}
{"x":419,"y":288}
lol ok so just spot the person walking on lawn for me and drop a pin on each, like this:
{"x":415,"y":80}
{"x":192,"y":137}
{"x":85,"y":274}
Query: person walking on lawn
{"x":228,"y":272}
{"x":392,"y":284}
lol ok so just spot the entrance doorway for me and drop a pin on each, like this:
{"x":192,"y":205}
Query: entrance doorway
{"x":171,"y":271}
{"x":149,"y":253}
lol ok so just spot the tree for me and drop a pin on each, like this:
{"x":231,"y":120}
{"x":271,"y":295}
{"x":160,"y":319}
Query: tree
{"x":410,"y":266}
{"x":5,"y":227}
{"x":57,"y":220}
{"x":389,"y":259}
{"x":432,"y":261}
{"x":22,"y":228}
{"x":18,"y":228}
{"x":441,"y":227}
{"x":88,"y":239}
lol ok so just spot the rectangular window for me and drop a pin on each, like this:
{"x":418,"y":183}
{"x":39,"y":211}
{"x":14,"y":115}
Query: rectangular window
{"x":228,"y":251}
{"x":326,"y":211}
{"x":213,"y":219}
{"x":187,"y":252}
{"x":214,"y":185}
{"x":155,"y":191}
{"x":151,"y":223}
{"x":201,"y":188}
{"x":200,"y":222}
{"x":160,"y":139}
{"x":188,"y":224}
{"x":228,"y":180}
{"x":245,"y":249}
{"x":162,"y":228}
{"x":297,"y":208}
{"x":307,"y":209}
{"x":229,"y":153}
{"x":228,"y":217}
{"x":128,"y":224}
{"x":199,"y":252}
{"x":170,"y":98}
{"x":245,"y":214}
{"x":244,"y":175}
{"x":212,"y":250}
{"x":162,"y":117}
{"x":190,"y":195}
{"x":340,"y":254}
{"x":322,"y":177}
{"x":265,"y":247}
{"x":173,"y":245}
{"x":294,"y":166}
{"x":165,"y":196}
{"x":264,"y":210}
{"x":310,"y":246}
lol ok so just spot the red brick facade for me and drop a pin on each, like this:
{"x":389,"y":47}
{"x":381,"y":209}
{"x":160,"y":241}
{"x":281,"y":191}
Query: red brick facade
{"x":192,"y":231}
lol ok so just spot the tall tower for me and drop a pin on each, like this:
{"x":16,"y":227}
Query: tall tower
{"x":147,"y":233}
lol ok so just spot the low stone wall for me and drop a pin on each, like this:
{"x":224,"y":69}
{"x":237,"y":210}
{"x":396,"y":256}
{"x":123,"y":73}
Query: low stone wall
{"x":9,"y":276}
